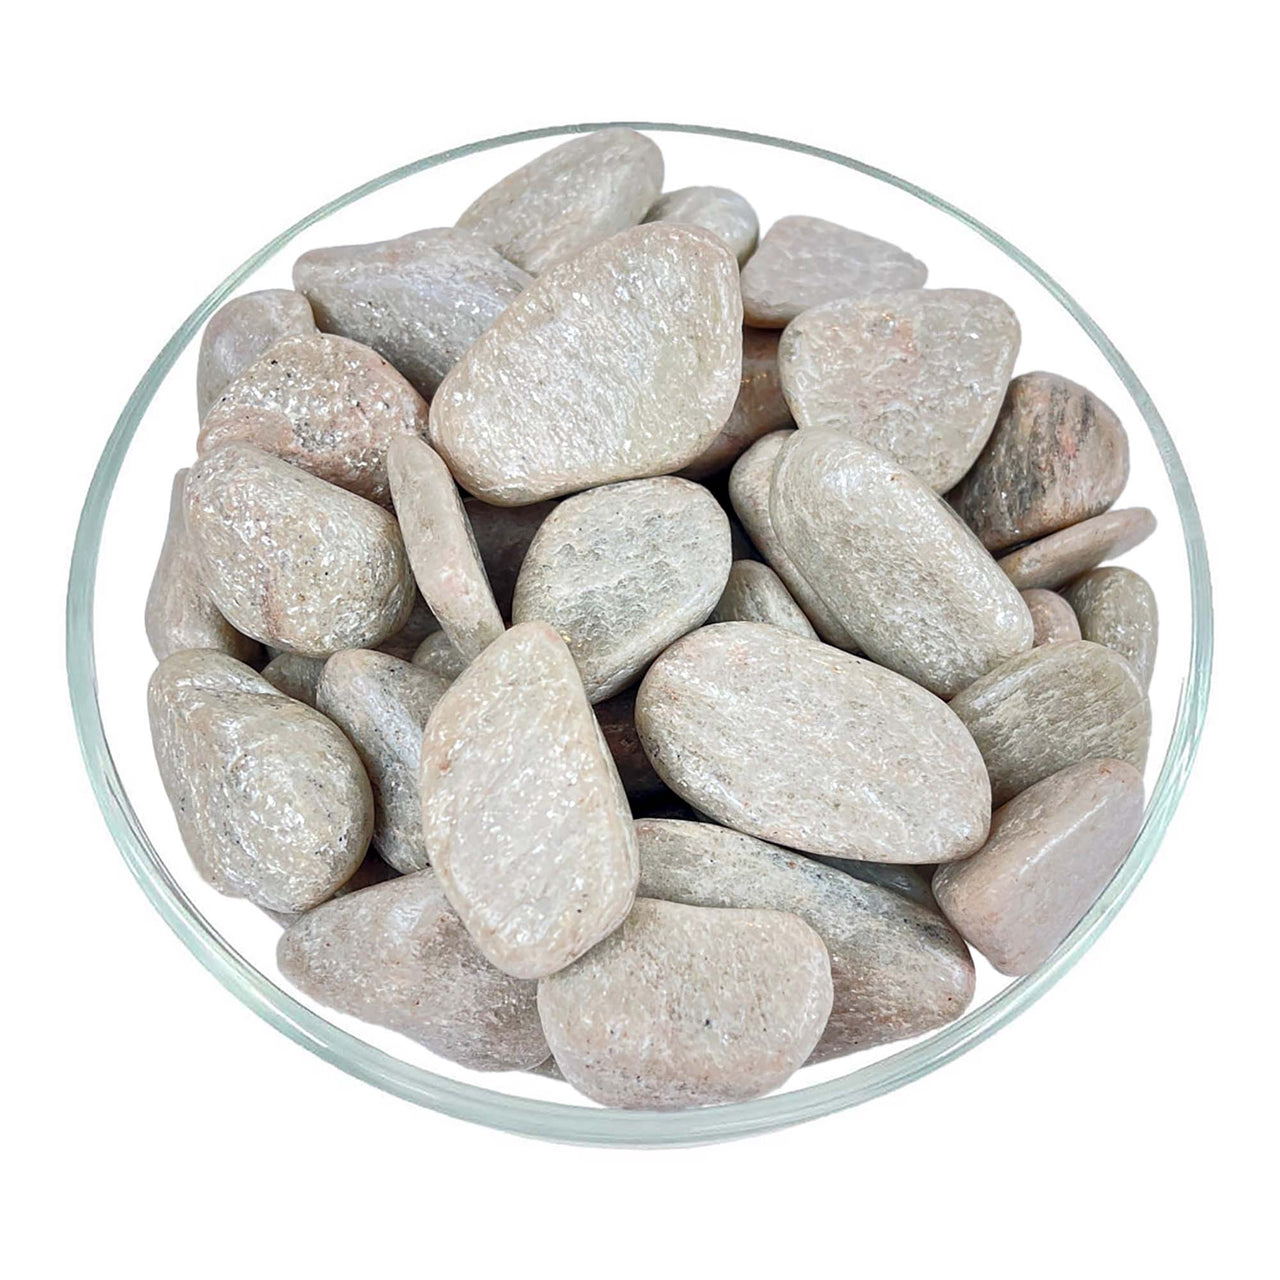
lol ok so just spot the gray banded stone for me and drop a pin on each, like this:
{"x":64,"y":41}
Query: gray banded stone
{"x":754,"y":593}
{"x":1051,"y":616}
{"x":1055,"y":560}
{"x":716,"y":209}
{"x":1117,"y":607}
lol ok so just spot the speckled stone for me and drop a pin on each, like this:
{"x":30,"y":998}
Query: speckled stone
{"x":571,"y":197}
{"x":622,"y":571}
{"x":617,"y":717}
{"x":396,"y":955}
{"x":370,"y":872}
{"x":688,"y":1006}
{"x":382,"y":705}
{"x":800,"y":744}
{"x":920,"y":374}
{"x":1058,"y":558}
{"x":1052,"y":617}
{"x":438,"y":656}
{"x":1052,"y":850}
{"x":420,"y":300}
{"x":803,"y":262}
{"x":754,"y":593}
{"x":295,"y":675}
{"x":893,"y":562}
{"x":1057,"y":456}
{"x":503,"y":535}
{"x":272,"y":801}
{"x":897,"y":968}
{"x":716,"y":209}
{"x":293,"y":561}
{"x":240,"y":331}
{"x":442,"y":549}
{"x":1053,"y":707}
{"x":1117,"y":608}
{"x":524,"y":817}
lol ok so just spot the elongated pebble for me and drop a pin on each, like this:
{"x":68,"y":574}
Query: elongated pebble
{"x":503,"y":535}
{"x":295,"y":675}
{"x":1117,"y":607}
{"x":754,"y":593}
{"x":1051,"y":616}
{"x":716,"y":209}
{"x":437,"y":655}
{"x":1056,"y":559}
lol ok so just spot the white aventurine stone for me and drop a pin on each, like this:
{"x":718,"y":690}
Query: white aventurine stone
{"x":716,"y":209}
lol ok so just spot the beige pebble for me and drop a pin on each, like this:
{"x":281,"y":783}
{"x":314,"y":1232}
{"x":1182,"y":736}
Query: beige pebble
{"x":1051,"y":616}
{"x":1117,"y":608}
{"x":1058,"y":558}
{"x":754,"y":593}
{"x":295,"y":675}
{"x":503,"y":535}
{"x":716,"y":209}
{"x":370,"y":872}
{"x":438,"y":656}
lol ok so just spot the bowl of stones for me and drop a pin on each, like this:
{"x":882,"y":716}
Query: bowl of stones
{"x":639,"y":634}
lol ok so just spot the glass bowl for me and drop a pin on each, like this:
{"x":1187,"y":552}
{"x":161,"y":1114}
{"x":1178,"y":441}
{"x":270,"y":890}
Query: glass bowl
{"x":109,"y":661}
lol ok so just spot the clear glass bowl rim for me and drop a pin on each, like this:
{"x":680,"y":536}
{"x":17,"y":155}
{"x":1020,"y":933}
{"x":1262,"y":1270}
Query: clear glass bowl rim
{"x":561,"y":1121}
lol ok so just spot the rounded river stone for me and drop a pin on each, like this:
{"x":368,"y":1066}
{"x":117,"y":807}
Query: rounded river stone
{"x":569,"y":198}
{"x":622,"y":571}
{"x":295,"y":675}
{"x":897,"y":968}
{"x":1057,"y":456}
{"x":623,"y":362}
{"x":716,"y":209}
{"x":754,"y":593}
{"x":1052,"y":850}
{"x":687,"y":1006}
{"x":524,"y":817}
{"x":1053,"y":707}
{"x":617,"y":716}
{"x":272,"y":801}
{"x":1051,"y":616}
{"x":920,"y":374}
{"x":437,"y":655}
{"x":800,"y":744}
{"x":894,"y":563}
{"x":1117,"y":607}
{"x":370,"y":872}
{"x":503,"y":535}
{"x":1058,"y":558}
{"x":803,"y":262}
{"x":293,"y":561}
{"x":396,"y":955}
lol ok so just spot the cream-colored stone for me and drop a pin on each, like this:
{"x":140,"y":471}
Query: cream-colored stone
{"x":1117,"y":607}
{"x":716,"y":209}
{"x":1051,"y":616}
{"x":754,"y":593}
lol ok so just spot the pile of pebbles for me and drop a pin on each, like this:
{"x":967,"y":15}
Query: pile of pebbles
{"x":594,"y":685}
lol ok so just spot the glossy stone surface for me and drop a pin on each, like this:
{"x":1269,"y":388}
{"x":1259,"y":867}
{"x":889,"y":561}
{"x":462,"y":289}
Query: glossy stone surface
{"x":295,"y":675}
{"x":687,"y":1006}
{"x":503,"y":535}
{"x":754,"y":593}
{"x":617,"y":717}
{"x":1117,"y":608}
{"x":1058,"y":558}
{"x":576,"y":385}
{"x":1051,"y":616}
{"x":370,"y":872}
{"x":438,"y":656}
{"x":724,"y":213}
{"x":920,"y":374}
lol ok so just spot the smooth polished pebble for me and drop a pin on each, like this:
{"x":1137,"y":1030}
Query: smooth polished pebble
{"x":800,"y":744}
{"x":622,"y":571}
{"x":292,"y":560}
{"x":437,"y":655}
{"x":1117,"y":607}
{"x":688,"y":1006}
{"x":503,"y":535}
{"x":754,"y":593}
{"x":803,"y":262}
{"x":568,"y":198}
{"x":1057,"y":456}
{"x":897,"y":968}
{"x":397,"y":956}
{"x":1053,"y":707}
{"x":920,"y":374}
{"x":1051,"y":851}
{"x":524,"y":817}
{"x":893,"y":562}
{"x":271,"y":800}
{"x":580,"y":383}
{"x":295,"y":675}
{"x":1051,"y":616}
{"x":420,"y":300}
{"x":370,"y":872}
{"x":1056,"y":559}
{"x":617,"y":717}
{"x":716,"y":209}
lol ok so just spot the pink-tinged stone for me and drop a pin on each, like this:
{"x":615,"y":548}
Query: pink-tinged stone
{"x":716,"y":209}
{"x":1051,"y":616}
{"x":1058,"y":558}
{"x":1117,"y":608}
{"x":754,"y":593}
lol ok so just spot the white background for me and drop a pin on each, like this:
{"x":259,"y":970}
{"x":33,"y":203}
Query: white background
{"x":153,"y":1123}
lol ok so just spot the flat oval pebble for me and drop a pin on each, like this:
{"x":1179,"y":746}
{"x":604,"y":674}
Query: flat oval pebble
{"x":724,"y":213}
{"x":1057,"y":456}
{"x":617,"y":717}
{"x":524,"y":817}
{"x":1053,"y":707}
{"x":503,"y":535}
{"x":622,"y":571}
{"x":569,"y":198}
{"x":754,"y":593}
{"x":292,"y":560}
{"x":920,"y":374}
{"x":623,"y":362}
{"x":1116,"y":607}
{"x":1051,"y":616}
{"x":1057,"y":559}
{"x":893,"y":562}
{"x":803,"y":262}
{"x":272,"y":801}
{"x":1052,"y":850}
{"x":800,"y":744}
{"x":897,"y":968}
{"x":396,"y":955}
{"x":295,"y":675}
{"x":437,"y":655}
{"x":689,"y":1006}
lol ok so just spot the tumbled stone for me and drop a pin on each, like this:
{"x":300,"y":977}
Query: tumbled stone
{"x":897,"y":968}
{"x":442,"y":549}
{"x":1053,"y":707}
{"x":687,"y":1006}
{"x":295,"y":675}
{"x":754,"y":593}
{"x":1117,"y":608}
{"x":577,"y":384}
{"x":323,"y":403}
{"x":382,"y":705}
{"x":803,"y":262}
{"x":240,"y":331}
{"x":271,"y":800}
{"x":920,"y":374}
{"x":1057,"y":456}
{"x":716,"y":209}
{"x":293,"y":561}
{"x":893,"y":562}
{"x":524,"y":817}
{"x":370,"y":872}
{"x":396,"y":955}
{"x":1051,"y":851}
{"x":437,"y":656}
{"x":503,"y":535}
{"x":800,"y":744}
{"x":569,"y":198}
{"x":1056,"y":559}
{"x":617,"y":717}
{"x":406,"y":642}
{"x":622,"y":571}
{"x":1051,"y":616}
{"x":913,"y":883}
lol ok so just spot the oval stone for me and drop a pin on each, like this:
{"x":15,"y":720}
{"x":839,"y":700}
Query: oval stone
{"x":295,"y":675}
{"x":754,"y":593}
{"x":503,"y":535}
{"x":1057,"y":559}
{"x":724,"y":213}
{"x":370,"y":872}
{"x":1051,"y":616}
{"x":1116,"y":607}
